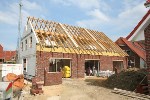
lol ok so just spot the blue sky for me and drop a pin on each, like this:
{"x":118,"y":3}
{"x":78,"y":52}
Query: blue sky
{"x":116,"y":18}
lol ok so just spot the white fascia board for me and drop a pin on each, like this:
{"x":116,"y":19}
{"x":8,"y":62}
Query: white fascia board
{"x":142,"y":26}
{"x":34,"y":32}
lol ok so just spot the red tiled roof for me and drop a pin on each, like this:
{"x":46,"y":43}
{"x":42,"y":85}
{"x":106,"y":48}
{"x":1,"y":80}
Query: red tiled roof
{"x":139,"y":45}
{"x":136,"y":47}
{"x":138,"y":25}
{"x":8,"y":55}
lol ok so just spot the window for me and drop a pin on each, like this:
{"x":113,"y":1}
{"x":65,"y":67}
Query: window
{"x":30,"y":42}
{"x":57,"y":65}
{"x":24,"y":64}
{"x":118,"y":66}
{"x":1,"y":60}
{"x":128,"y":52}
{"x":22,"y":46}
{"x":26,"y":45}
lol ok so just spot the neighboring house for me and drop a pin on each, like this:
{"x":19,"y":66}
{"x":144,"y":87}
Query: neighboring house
{"x":135,"y":50}
{"x":1,"y":54}
{"x":7,"y":56}
{"x":49,"y":46}
{"x":136,"y":41}
{"x":137,"y":33}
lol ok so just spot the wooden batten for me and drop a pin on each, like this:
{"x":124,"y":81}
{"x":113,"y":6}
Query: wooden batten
{"x":70,"y":39}
{"x":76,"y":51}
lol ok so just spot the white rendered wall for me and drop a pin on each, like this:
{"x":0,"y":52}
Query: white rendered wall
{"x":139,"y":36}
{"x":139,"y":33}
{"x":30,"y":53}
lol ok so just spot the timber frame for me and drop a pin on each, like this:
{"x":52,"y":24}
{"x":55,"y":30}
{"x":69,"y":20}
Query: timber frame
{"x":57,"y":37}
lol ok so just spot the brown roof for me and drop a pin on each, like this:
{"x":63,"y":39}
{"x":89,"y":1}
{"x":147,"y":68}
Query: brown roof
{"x":54,"y":34}
{"x":137,"y":47}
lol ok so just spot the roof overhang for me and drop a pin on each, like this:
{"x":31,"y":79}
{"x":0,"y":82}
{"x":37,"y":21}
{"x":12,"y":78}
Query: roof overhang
{"x":139,"y":29}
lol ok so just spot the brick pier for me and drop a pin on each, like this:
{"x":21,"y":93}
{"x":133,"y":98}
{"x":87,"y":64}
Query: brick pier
{"x":147,"y":47}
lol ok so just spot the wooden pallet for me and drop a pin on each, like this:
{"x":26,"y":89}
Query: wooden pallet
{"x":131,"y":94}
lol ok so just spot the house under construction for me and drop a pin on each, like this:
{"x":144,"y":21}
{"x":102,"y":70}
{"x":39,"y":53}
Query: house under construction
{"x":47,"y":46}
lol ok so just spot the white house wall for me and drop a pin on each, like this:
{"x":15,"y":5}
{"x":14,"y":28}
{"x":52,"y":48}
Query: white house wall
{"x":139,"y":33}
{"x":30,"y":53}
{"x":139,"y":36}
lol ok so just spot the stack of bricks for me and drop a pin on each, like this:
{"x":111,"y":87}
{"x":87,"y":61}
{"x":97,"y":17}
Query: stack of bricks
{"x":147,"y":47}
{"x":52,"y":78}
{"x":36,"y":87}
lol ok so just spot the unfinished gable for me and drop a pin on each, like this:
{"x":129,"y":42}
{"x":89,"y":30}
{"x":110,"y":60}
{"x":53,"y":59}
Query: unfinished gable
{"x":57,"y":37}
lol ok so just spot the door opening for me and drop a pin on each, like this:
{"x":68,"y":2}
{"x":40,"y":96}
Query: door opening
{"x":117,"y":66}
{"x":92,"y":67}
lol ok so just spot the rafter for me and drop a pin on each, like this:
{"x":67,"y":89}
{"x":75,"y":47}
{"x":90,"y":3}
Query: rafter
{"x":73,"y":39}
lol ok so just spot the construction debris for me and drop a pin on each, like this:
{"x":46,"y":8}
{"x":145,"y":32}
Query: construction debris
{"x":127,"y":79}
{"x":18,"y":81}
{"x":36,"y":87}
{"x":131,"y":94}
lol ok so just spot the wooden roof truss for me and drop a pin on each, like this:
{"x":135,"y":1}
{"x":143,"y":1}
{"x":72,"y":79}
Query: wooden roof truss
{"x":54,"y":35}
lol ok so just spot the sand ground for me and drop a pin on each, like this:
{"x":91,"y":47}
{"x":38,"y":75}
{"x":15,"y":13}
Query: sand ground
{"x":75,"y":89}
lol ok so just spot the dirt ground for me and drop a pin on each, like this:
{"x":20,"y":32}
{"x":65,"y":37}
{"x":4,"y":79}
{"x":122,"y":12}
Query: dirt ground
{"x":89,"y":88}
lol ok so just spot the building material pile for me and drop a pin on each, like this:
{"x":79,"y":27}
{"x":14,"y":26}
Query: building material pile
{"x":127,"y":80}
{"x":18,"y":81}
{"x":36,"y":87}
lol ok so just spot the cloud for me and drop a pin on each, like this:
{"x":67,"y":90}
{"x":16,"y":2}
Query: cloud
{"x":97,"y":14}
{"x":97,"y":17}
{"x":90,"y":23}
{"x":86,"y":4}
{"x":28,"y":5}
{"x":4,"y":18}
{"x":83,"y":4}
{"x":62,"y":2}
{"x":11,"y":15}
{"x":128,"y":17}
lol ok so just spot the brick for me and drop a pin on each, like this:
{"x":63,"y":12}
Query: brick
{"x":147,"y":47}
{"x":77,"y":68}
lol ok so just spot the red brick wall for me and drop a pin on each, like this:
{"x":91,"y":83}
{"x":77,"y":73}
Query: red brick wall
{"x":147,"y":47}
{"x":77,"y":61}
{"x":132,"y":56}
{"x":52,"y":78}
{"x":1,"y":53}
{"x":106,"y":62}
{"x":42,"y":61}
